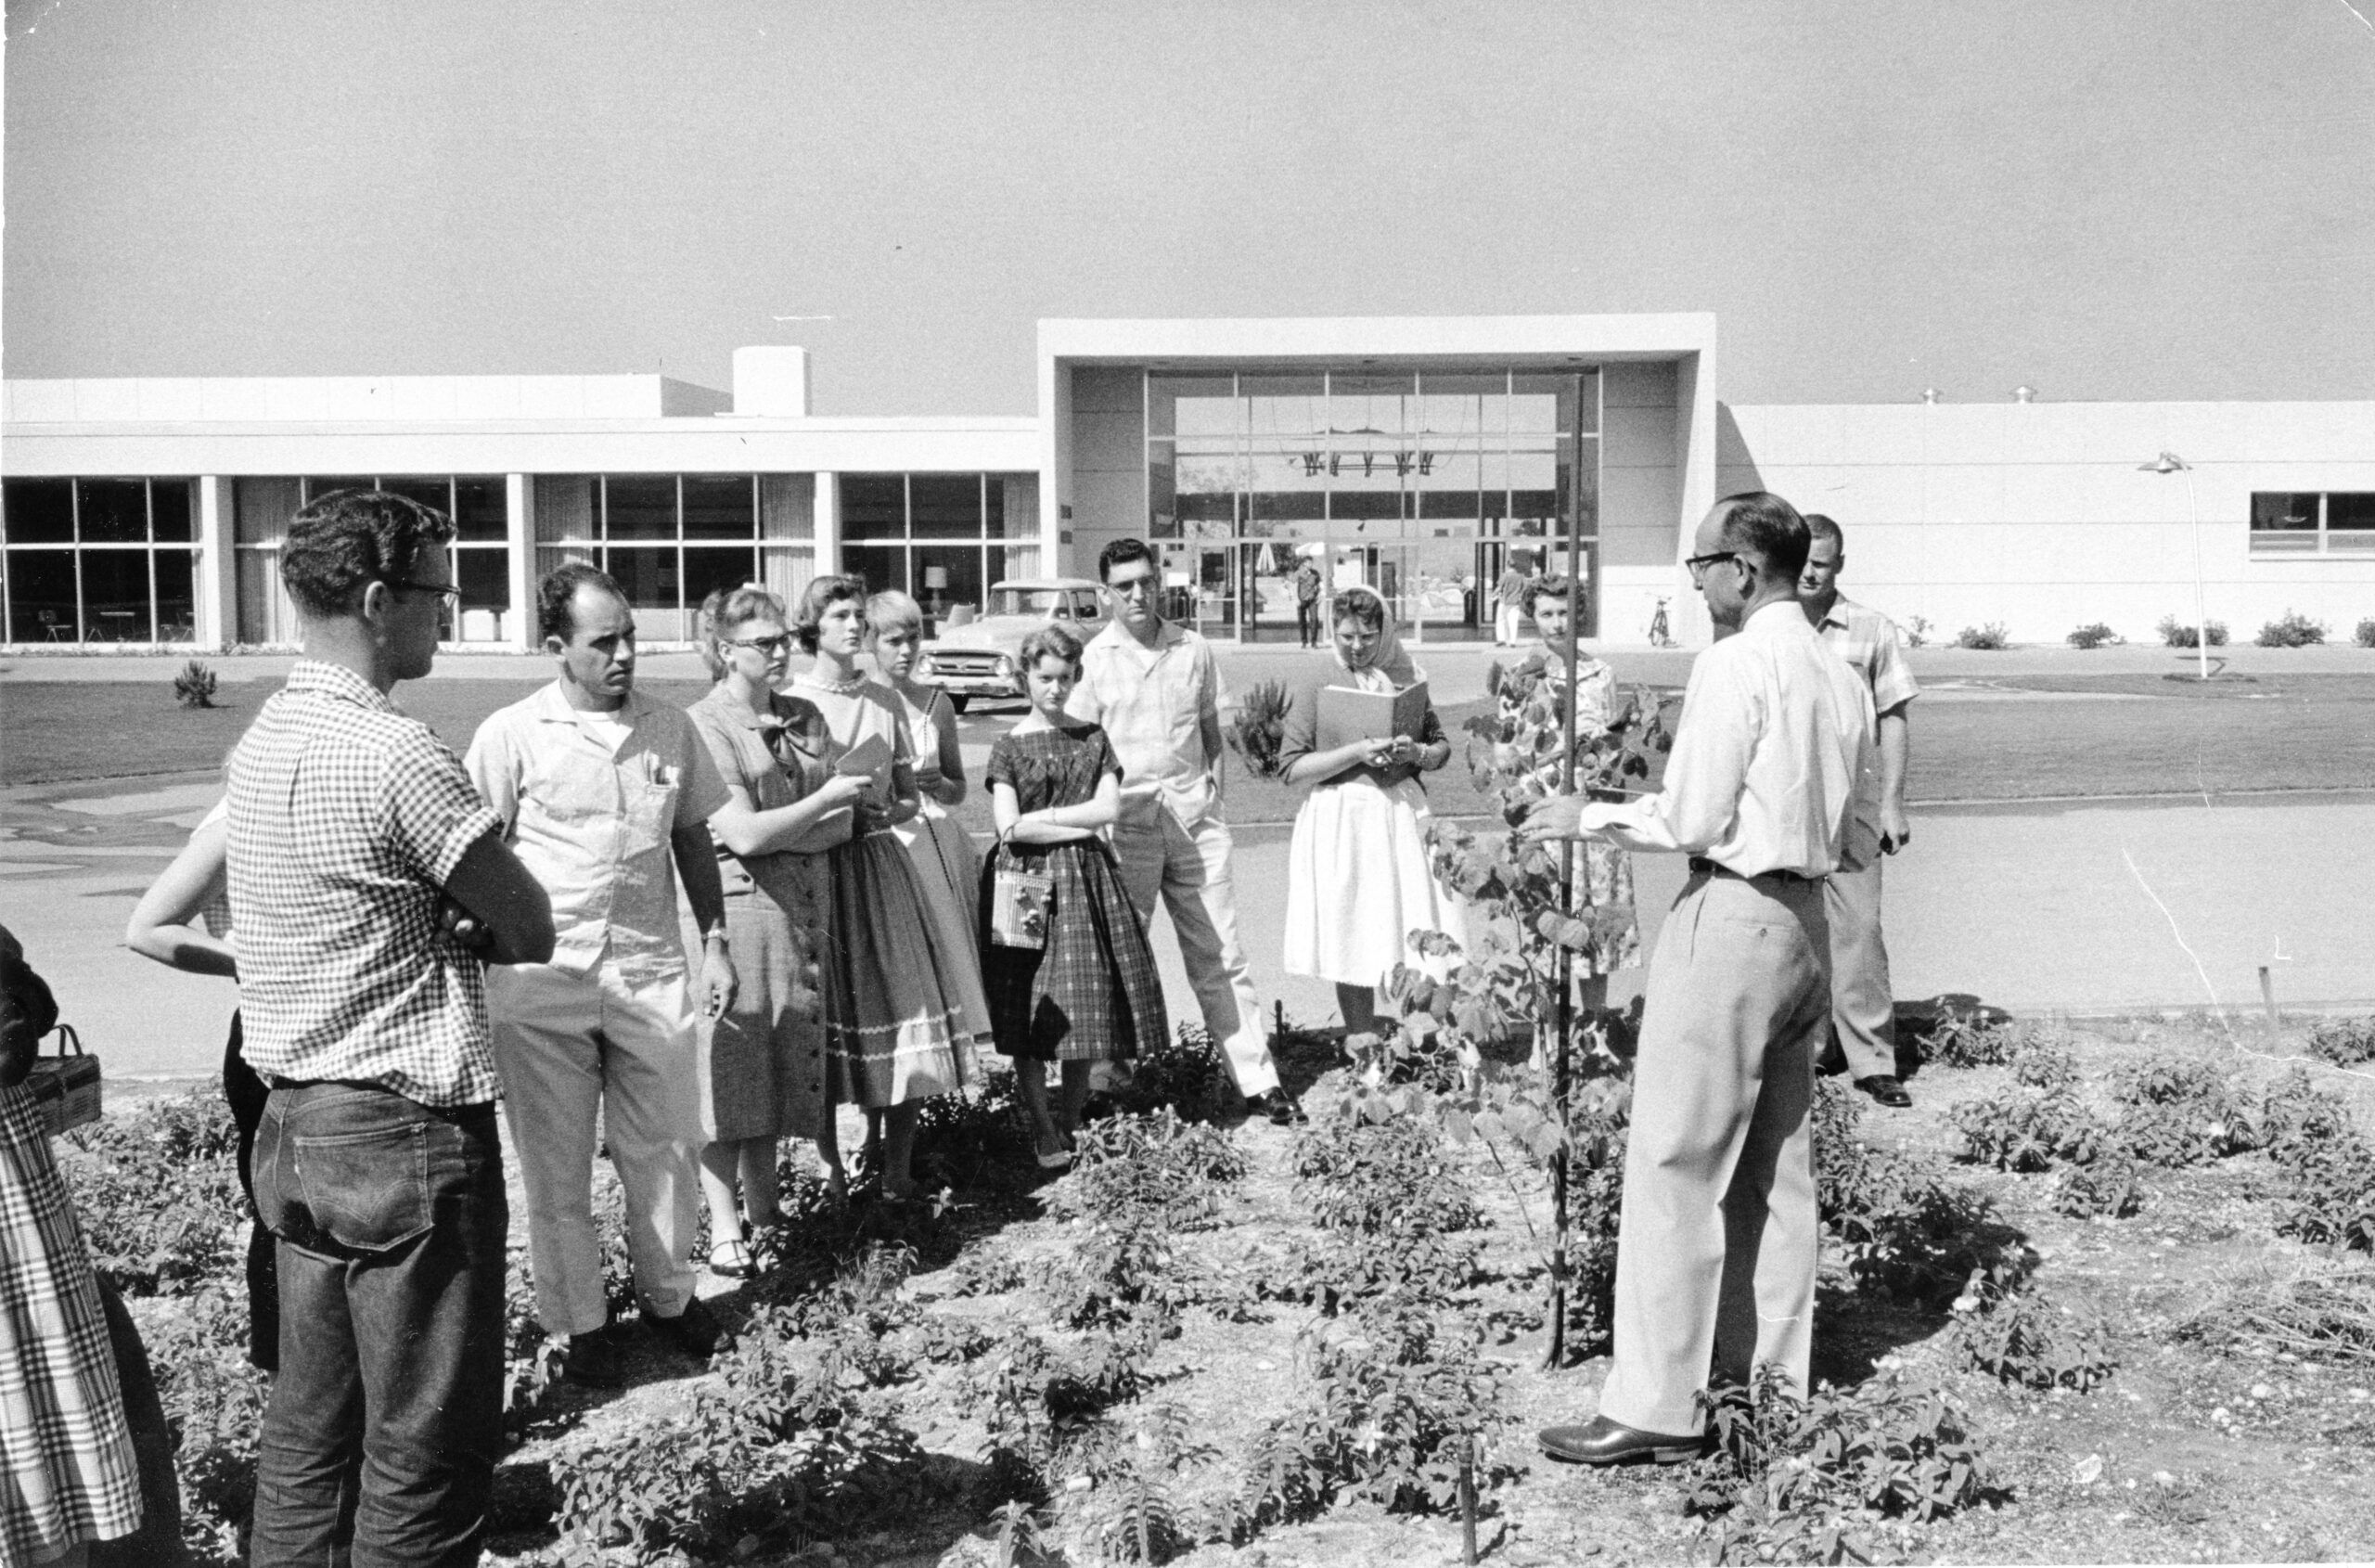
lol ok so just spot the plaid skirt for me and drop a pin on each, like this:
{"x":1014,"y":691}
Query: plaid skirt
{"x":67,"y":1469}
{"x":1092,"y":994}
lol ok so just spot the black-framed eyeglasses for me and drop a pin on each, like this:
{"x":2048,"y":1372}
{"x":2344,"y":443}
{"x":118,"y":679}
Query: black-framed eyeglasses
{"x":1698,"y":564}
{"x":780,"y":643}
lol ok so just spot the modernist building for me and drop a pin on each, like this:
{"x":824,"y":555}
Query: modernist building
{"x":1417,"y":455}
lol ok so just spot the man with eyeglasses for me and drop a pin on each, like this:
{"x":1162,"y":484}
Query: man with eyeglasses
{"x":1715,"y":1250}
{"x":1156,"y":688}
{"x":603,"y":792}
{"x":368,"y":883}
{"x":1862,"y":1008}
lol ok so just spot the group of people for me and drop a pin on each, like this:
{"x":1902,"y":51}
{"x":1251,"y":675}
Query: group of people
{"x":418,"y":936}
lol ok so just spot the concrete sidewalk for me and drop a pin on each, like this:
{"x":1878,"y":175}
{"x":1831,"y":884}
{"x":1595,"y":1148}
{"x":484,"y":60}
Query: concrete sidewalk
{"x":2082,"y":908}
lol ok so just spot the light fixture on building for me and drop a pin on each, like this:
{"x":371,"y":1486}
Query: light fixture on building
{"x":2024,"y":393}
{"x":1932,"y":394}
{"x":2170,"y":463}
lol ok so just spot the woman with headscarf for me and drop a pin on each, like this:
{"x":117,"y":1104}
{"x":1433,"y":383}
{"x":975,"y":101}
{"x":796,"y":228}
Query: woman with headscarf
{"x":1359,"y":881}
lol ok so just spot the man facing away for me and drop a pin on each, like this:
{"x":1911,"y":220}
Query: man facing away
{"x":1863,"y":1009}
{"x":601,"y":789}
{"x":365,"y":878}
{"x":1509,"y":607}
{"x":1156,"y":688}
{"x":1307,"y":587}
{"x":1715,"y":1250}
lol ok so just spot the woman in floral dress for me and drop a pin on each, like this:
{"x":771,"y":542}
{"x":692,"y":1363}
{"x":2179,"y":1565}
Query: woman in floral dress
{"x":1090,"y":992}
{"x":895,"y":1012}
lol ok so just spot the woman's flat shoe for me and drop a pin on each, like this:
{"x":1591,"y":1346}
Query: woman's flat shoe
{"x":731,"y":1260}
{"x":1057,"y":1161}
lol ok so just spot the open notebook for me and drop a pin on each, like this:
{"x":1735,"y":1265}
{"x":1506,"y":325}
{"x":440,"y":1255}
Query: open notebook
{"x":1348,"y":713}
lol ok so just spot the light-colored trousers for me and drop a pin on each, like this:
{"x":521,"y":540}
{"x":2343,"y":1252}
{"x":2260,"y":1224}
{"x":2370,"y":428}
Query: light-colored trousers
{"x":569,"y":1045}
{"x":1185,"y":868}
{"x":1716,"y":1251}
{"x":1506,"y":620}
{"x":1863,"y":1011}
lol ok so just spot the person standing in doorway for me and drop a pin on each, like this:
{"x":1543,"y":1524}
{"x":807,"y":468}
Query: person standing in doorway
{"x":1716,"y":1251}
{"x":1510,"y":603}
{"x":1309,"y":585}
{"x":357,"y":845}
{"x":1155,"y":688}
{"x":1863,"y":1009}
{"x":605,"y":794}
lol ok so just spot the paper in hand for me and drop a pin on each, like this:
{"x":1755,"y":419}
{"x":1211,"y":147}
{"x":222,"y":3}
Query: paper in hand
{"x":869,"y":757}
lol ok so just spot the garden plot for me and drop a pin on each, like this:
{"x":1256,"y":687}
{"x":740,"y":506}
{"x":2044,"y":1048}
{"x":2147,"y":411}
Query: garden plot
{"x":2103,"y":1294}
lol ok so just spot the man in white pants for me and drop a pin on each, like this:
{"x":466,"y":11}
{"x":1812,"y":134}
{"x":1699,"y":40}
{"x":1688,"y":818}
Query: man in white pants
{"x":1155,"y":688}
{"x":600,"y":789}
{"x":1716,"y":1251}
{"x":1863,"y":1005}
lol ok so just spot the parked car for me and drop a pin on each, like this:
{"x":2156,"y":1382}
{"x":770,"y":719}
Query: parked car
{"x":981,"y":658}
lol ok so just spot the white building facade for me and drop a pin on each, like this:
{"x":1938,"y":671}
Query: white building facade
{"x":1421,"y":457}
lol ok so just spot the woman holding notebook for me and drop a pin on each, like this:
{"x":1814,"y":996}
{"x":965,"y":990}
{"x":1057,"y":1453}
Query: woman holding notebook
{"x":1359,"y":733}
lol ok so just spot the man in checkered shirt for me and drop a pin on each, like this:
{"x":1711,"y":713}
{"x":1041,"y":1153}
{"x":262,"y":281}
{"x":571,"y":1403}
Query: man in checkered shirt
{"x":368,"y":883}
{"x":1863,"y":1008}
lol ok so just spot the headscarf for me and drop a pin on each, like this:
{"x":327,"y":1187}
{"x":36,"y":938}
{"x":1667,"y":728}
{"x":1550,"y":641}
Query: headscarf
{"x":1389,"y":668}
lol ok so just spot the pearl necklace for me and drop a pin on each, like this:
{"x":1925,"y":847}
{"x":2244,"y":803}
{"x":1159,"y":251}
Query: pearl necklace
{"x":849,"y":688}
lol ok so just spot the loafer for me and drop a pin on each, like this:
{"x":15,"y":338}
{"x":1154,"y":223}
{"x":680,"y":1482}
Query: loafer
{"x":1886,"y":1090}
{"x":1275,"y":1105}
{"x":594,"y":1361}
{"x":1606,"y":1442}
{"x":693,"y":1330}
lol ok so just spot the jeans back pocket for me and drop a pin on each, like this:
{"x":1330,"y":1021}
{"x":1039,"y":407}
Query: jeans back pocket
{"x":367,"y":1191}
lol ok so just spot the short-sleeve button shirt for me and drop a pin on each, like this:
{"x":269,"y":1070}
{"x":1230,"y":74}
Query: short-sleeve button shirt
{"x":1152,"y":703}
{"x":346,"y":818}
{"x":1874,"y":649}
{"x":589,"y":806}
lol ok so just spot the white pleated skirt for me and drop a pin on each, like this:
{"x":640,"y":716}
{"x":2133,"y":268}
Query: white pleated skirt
{"x":1358,"y":884}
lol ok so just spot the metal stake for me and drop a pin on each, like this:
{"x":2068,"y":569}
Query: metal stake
{"x":1468,"y":1501}
{"x":1556,"y":1354}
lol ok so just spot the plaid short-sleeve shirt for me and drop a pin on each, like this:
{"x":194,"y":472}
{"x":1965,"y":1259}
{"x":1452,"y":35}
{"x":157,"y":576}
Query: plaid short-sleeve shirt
{"x":346,"y":820}
{"x":1874,"y":649}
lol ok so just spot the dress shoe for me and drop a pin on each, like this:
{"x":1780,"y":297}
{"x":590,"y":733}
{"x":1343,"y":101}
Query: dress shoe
{"x":1607,"y":1442}
{"x":1275,"y":1105}
{"x":1884,"y":1089}
{"x":593,"y":1360}
{"x":693,"y":1330}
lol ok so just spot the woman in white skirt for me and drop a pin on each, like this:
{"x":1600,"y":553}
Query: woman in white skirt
{"x":1358,"y":882}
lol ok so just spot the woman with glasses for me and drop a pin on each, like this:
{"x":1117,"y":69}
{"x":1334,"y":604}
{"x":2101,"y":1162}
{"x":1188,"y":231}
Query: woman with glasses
{"x":764,"y":1069}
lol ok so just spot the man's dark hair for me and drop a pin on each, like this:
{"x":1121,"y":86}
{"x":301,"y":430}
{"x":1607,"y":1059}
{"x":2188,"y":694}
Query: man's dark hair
{"x":1821,"y":527}
{"x":1762,"y":521}
{"x":341,"y":543}
{"x":1121,"y":552}
{"x":557,"y":596}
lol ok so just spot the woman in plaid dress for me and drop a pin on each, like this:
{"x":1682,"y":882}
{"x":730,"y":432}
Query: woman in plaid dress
{"x":1090,"y":993}
{"x":68,"y":1471}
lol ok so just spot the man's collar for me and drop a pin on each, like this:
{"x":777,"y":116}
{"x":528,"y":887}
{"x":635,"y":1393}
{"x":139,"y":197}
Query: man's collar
{"x":1837,"y":614}
{"x":555,"y":707}
{"x":1776,"y":616}
{"x":1167,"y":636}
{"x":338,"y":681}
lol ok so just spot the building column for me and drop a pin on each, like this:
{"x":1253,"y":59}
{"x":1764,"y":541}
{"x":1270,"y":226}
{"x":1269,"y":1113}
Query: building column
{"x":217,"y":578}
{"x":829,"y":525}
{"x":520,"y":535}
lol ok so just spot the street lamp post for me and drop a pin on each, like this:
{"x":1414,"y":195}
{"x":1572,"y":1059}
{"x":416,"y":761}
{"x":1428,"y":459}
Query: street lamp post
{"x":2170,"y":463}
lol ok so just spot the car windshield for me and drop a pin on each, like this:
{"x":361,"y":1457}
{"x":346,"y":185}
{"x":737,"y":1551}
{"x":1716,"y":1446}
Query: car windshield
{"x":1040,"y":602}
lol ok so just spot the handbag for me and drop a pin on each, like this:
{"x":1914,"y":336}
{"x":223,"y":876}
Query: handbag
{"x":1020,"y":904}
{"x":66,"y":1087}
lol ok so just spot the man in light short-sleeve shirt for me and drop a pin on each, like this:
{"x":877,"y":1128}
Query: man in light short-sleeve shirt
{"x":606,"y":796}
{"x":1154,"y":687}
{"x":1863,"y":1006}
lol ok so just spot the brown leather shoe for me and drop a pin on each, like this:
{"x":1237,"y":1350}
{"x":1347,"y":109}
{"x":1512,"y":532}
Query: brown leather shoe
{"x":1608,"y":1442}
{"x":1885,"y":1089}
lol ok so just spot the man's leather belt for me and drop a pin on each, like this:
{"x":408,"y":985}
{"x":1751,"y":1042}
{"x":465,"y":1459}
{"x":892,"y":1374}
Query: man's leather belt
{"x":1700,"y":863}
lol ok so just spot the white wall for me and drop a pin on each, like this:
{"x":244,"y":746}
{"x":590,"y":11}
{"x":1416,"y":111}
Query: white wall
{"x":2034,"y":515}
{"x":1109,"y":451}
{"x":1641,"y":498}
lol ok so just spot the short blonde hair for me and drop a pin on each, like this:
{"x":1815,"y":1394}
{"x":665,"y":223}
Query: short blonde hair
{"x":725,"y":609}
{"x":890,"y":609}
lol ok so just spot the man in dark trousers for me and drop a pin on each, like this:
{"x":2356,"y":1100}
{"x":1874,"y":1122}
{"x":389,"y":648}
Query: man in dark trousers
{"x":1716,"y":1251}
{"x":1308,"y":584}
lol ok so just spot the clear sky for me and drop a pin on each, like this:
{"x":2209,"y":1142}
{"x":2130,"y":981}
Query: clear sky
{"x":2154,"y":199}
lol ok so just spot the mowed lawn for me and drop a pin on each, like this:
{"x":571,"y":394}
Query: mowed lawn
{"x":2094,"y":737}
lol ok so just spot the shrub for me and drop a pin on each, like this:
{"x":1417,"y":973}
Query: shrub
{"x":2176,"y":633}
{"x":1381,"y":1178}
{"x":159,"y":1193}
{"x":2292,"y":630}
{"x":2094,"y":635}
{"x":2029,"y":1341}
{"x":2332,"y":1199}
{"x":194,"y":686}
{"x":1969,"y":1039}
{"x":1185,"y":1073}
{"x":2030,"y":1130}
{"x":2042,"y":1063}
{"x":972,"y":1141}
{"x":1258,"y":727}
{"x":213,"y":1402}
{"x":2112,"y":1188}
{"x":1795,"y":1480}
{"x":2364,"y":635}
{"x":1159,"y":1165}
{"x":1991,"y":636}
{"x":2345,"y":1042}
{"x":1917,"y":632}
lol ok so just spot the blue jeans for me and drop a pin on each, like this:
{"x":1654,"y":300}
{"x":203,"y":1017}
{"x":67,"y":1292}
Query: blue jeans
{"x":386,"y":1413}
